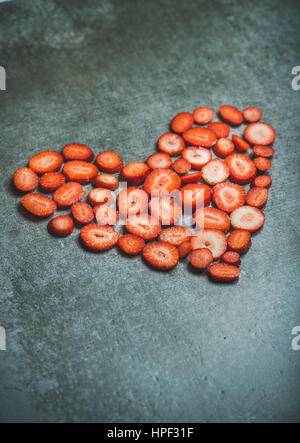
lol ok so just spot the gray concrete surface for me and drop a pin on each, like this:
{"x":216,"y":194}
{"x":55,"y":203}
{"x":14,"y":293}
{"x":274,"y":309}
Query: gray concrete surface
{"x":102,"y":337}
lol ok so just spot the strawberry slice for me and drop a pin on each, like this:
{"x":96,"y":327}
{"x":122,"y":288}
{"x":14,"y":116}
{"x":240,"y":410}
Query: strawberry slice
{"x":191,"y":178}
{"x":99,"y":196}
{"x":46,"y":161}
{"x":262,"y":181}
{"x":257,"y":197}
{"x":109,"y":161}
{"x":131,"y":244}
{"x":211,"y":218}
{"x":165,"y":210}
{"x":194,"y":195}
{"x":201,"y":258}
{"x":25,"y":179}
{"x":263,"y":151}
{"x":39,"y":205}
{"x":262,"y":164}
{"x":220,"y":129}
{"x":132,"y":201}
{"x":231,"y":258}
{"x":50,"y":181}
{"x":200,"y":137}
{"x":239,"y":241}
{"x":184,"y":249}
{"x":197,"y":156}
{"x":259,"y":133}
{"x":231,"y":114}
{"x":203,"y":115}
{"x":159,"y":160}
{"x":242,"y":169}
{"x":135,"y":173}
{"x":224,"y":147}
{"x":143,"y":225}
{"x":98,"y":238}
{"x":216,"y":171}
{"x":82,"y":213}
{"x":77,"y":151}
{"x":247,"y":217}
{"x":106,"y":215}
{"x":228,"y":196}
{"x":107,"y":181}
{"x":162,"y":182}
{"x":61,"y":226}
{"x":212,"y":239}
{"x":240,"y":144}
{"x":182,"y":122}
{"x":252,"y":114}
{"x":80,"y":171}
{"x":175,"y":235}
{"x":68,"y":194}
{"x":224,"y":272}
{"x":181,"y":166}
{"x":170,"y":143}
{"x":160,"y":255}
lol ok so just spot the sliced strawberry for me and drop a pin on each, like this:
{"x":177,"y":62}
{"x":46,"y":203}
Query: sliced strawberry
{"x":106,"y":215}
{"x":25,"y":179}
{"x":220,"y":129}
{"x":194,"y":195}
{"x":107,"y":181}
{"x":259,"y":133}
{"x":165,"y":210}
{"x":182,"y":122}
{"x":160,"y":255}
{"x":262,"y":164}
{"x":50,"y":181}
{"x":61,"y":226}
{"x":80,"y":171}
{"x":252,"y":114}
{"x":224,"y":272}
{"x":200,"y":137}
{"x":135,"y":173}
{"x":131,"y":244}
{"x":159,"y":160}
{"x":170,"y":143}
{"x":231,"y":114}
{"x":228,"y":196}
{"x":46,"y":161}
{"x":132,"y":201}
{"x":231,"y":258}
{"x":197,"y":156}
{"x":240,"y":144}
{"x":68,"y":194}
{"x":77,"y":151}
{"x":212,"y":239}
{"x":211,"y":218}
{"x":98,"y":238}
{"x":257,"y":197}
{"x":239,"y":241}
{"x":263,"y":151}
{"x":242,"y":169}
{"x":262,"y":181}
{"x":82,"y":213}
{"x":99,"y":196}
{"x":143,"y":225}
{"x":181,"y":166}
{"x":224,"y":147}
{"x":162,"y":182}
{"x":216,"y":171}
{"x":191,"y":178}
{"x":201,"y":258}
{"x":203,"y":115}
{"x":175,"y":235}
{"x":184,"y":249}
{"x":109,"y":161}
{"x":247,"y":217}
{"x":39,"y":205}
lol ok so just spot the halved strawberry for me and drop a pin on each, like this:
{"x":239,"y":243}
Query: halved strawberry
{"x":170,"y":143}
{"x":99,"y":196}
{"x":224,"y":147}
{"x":259,"y":133}
{"x":240,"y":144}
{"x":160,"y":255}
{"x":252,"y":114}
{"x":134,"y":173}
{"x":216,"y":171}
{"x":211,"y":218}
{"x":220,"y":129}
{"x":239,"y":241}
{"x":162,"y":182}
{"x":106,"y":215}
{"x":231,"y":114}
{"x":194,"y":195}
{"x":201,"y":258}
{"x":200,"y":137}
{"x":231,"y":258}
{"x":197,"y":156}
{"x":159,"y":160}
{"x":262,"y":181}
{"x":203,"y":115}
{"x":132,"y":201}
{"x":191,"y":178}
{"x":165,"y":210}
{"x":25,"y":179}
{"x":131,"y":244}
{"x":39,"y":205}
{"x":181,"y":166}
{"x":175,"y":235}
{"x":224,"y":272}
{"x":184,"y":249}
{"x":247,"y":217}
{"x":98,"y":238}
{"x":257,"y":197}
{"x":242,"y":169}
{"x":212,"y":239}
{"x":46,"y":161}
{"x":262,"y":164}
{"x":80,"y":171}
{"x":263,"y":151}
{"x":82,"y":213}
{"x":107,"y":181}
{"x":68,"y":194}
{"x":61,"y":226}
{"x":50,"y":181}
{"x":77,"y":151}
{"x":182,"y":122}
{"x":143,"y":225}
{"x":228,"y":196}
{"x":109,"y":161}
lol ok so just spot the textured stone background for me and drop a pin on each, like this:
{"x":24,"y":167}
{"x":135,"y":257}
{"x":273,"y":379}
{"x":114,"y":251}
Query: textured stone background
{"x":102,"y":337}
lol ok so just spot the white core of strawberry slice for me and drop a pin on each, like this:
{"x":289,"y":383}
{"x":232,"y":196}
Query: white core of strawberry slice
{"x":259,"y":133}
{"x":215,"y":172}
{"x":247,"y":217}
{"x":212,"y":239}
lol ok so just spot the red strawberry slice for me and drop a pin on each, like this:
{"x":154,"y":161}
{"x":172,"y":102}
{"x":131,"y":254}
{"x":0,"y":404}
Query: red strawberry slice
{"x":181,"y":166}
{"x":200,"y":137}
{"x":160,"y":255}
{"x":231,"y":114}
{"x":211,"y":218}
{"x":224,"y":272}
{"x":231,"y":258}
{"x":170,"y":143}
{"x":252,"y":114}
{"x":107,"y":181}
{"x":262,"y":164}
{"x":98,"y":238}
{"x":216,"y":171}
{"x":131,"y":244}
{"x":135,"y":173}
{"x":203,"y":115}
{"x":68,"y":194}
{"x":77,"y":151}
{"x":191,"y":178}
{"x":46,"y":161}
{"x":25,"y":179}
{"x":106,"y":215}
{"x":224,"y":147}
{"x":262,"y":181}
{"x":257,"y":197}
{"x":220,"y":129}
{"x":38,"y":205}
{"x":175,"y":235}
{"x":228,"y":196}
{"x":194,"y":195}
{"x":242,"y":169}
{"x":182,"y":122}
{"x":50,"y":181}
{"x":212,"y":239}
{"x":99,"y":196}
{"x":247,"y":217}
{"x":82,"y":213}
{"x":201,"y":258}
{"x":61,"y":226}
{"x":197,"y":156}
{"x":159,"y":160}
{"x":80,"y":171}
{"x":144,"y":226}
{"x":184,"y":249}
{"x":259,"y":133}
{"x":109,"y":161}
{"x":240,"y":144}
{"x":239,"y":241}
{"x":165,"y":210}
{"x":162,"y":182}
{"x":132,"y":201}
{"x":263,"y":151}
